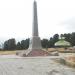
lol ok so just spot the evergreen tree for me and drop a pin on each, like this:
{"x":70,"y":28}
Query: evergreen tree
{"x":44,"y":43}
{"x":10,"y":44}
{"x":18,"y":46}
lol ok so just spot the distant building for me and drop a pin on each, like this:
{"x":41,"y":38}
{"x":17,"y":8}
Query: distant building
{"x":62,"y":43}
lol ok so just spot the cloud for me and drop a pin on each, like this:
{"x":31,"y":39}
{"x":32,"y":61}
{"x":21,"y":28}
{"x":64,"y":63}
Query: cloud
{"x":69,"y":24}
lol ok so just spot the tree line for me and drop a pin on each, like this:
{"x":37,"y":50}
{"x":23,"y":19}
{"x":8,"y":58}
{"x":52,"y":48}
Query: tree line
{"x":46,"y":43}
{"x":11,"y":44}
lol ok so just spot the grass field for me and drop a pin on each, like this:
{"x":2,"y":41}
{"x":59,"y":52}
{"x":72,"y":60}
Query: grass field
{"x":7,"y":52}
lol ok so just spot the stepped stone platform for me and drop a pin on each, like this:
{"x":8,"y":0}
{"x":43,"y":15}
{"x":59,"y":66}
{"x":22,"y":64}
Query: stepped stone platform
{"x":31,"y":53}
{"x":15,"y":65}
{"x":38,"y":53}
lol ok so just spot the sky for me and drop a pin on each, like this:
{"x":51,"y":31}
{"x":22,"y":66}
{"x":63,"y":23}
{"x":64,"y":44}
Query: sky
{"x":54,"y":16}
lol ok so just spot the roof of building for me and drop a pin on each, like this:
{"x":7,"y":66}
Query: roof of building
{"x":62,"y":42}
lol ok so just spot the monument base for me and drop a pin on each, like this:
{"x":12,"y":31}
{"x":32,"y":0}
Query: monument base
{"x":31,"y":53}
{"x":34,"y":53}
{"x":38,"y":53}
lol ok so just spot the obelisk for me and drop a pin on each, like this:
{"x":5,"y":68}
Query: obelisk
{"x":35,"y":48}
{"x":35,"y":42}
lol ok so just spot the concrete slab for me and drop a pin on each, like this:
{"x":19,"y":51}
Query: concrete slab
{"x":32,"y":66}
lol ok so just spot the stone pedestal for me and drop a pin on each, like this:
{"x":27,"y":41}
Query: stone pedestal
{"x":35,"y":43}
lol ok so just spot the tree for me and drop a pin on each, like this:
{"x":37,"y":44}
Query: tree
{"x":50,"y":42}
{"x":44,"y":43}
{"x":25,"y":44}
{"x":70,"y":37}
{"x":53,"y":40}
{"x":67,"y":37}
{"x":73,"y":39}
{"x":18,"y":46}
{"x":10,"y":44}
{"x":5,"y":45}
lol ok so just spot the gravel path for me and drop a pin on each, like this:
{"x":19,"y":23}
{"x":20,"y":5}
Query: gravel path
{"x":15,"y":65}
